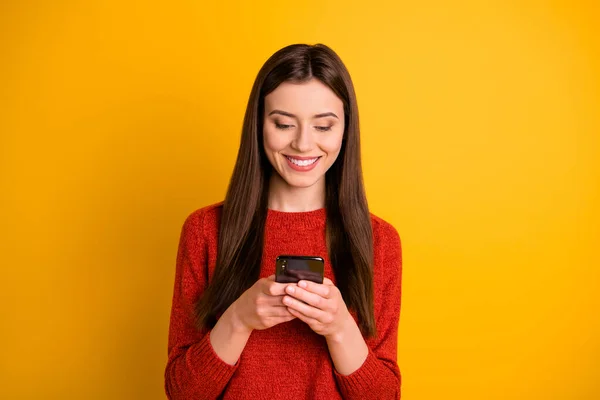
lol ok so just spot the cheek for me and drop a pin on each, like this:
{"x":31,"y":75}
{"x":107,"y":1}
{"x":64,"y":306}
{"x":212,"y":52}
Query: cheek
{"x":273,"y":141}
{"x":332,"y":144}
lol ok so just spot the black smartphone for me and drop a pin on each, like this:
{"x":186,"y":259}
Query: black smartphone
{"x":291,"y":269}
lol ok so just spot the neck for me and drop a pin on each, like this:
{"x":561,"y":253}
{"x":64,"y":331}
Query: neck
{"x":283,"y":197}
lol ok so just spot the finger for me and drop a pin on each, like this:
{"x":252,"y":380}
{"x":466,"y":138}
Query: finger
{"x":277,"y":312}
{"x":279,"y":320}
{"x":304,"y":308}
{"x":271,"y":277}
{"x":272,"y":288}
{"x":302,"y":317}
{"x":321,"y":289}
{"x":327,"y":281}
{"x":273,"y":301}
{"x":309,"y":298}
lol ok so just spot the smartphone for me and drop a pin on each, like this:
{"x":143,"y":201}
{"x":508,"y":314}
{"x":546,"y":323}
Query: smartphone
{"x":291,"y":269}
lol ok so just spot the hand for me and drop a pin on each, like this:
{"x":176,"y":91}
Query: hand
{"x":319,"y":305}
{"x":261,"y":306}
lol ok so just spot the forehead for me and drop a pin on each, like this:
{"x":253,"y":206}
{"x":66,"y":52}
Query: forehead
{"x":304,"y":99}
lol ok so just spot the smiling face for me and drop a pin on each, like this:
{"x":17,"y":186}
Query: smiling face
{"x":303,"y":129}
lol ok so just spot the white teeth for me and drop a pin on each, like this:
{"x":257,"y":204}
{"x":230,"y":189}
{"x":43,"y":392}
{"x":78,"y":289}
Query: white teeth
{"x":303,"y":163}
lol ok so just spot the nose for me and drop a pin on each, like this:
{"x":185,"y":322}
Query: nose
{"x":303,"y":141}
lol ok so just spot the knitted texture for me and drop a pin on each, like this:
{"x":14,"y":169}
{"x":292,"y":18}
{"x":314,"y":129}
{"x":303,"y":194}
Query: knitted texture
{"x":289,"y":360}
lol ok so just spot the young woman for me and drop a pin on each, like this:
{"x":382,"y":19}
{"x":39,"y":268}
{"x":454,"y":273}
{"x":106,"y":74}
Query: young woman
{"x":296,"y":188}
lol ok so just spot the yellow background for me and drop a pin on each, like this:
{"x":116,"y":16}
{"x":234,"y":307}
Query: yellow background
{"x":480,"y":126}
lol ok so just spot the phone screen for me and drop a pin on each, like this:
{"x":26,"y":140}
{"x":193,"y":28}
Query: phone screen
{"x":291,"y":269}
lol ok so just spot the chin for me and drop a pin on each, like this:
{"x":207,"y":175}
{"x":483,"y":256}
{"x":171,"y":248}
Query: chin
{"x":303,"y":182}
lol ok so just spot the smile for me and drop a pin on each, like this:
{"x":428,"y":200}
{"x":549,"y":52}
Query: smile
{"x":303,"y":164}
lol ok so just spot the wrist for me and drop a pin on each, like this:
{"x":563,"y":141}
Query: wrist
{"x":344,"y":331}
{"x":236,"y":323}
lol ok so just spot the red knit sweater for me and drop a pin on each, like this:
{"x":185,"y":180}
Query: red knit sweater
{"x":289,"y":360}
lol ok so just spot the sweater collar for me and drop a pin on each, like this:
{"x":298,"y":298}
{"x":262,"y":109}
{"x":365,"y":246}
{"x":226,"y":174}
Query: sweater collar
{"x":296,"y":220}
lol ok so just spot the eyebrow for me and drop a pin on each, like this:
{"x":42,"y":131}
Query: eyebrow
{"x":287,"y":114}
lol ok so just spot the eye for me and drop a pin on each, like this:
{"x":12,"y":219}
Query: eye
{"x":323,"y":128}
{"x":282,"y":126}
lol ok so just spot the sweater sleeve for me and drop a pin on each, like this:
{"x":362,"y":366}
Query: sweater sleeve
{"x":379,"y":376}
{"x":193,"y":370}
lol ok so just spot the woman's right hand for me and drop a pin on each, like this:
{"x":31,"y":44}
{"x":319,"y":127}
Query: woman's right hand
{"x":261,"y":306}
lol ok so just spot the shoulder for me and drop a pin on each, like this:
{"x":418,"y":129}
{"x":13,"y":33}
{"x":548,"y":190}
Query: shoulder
{"x":206,"y":212}
{"x":384,"y":233}
{"x":387,"y":258}
{"x":386,"y":242}
{"x":204,"y":220}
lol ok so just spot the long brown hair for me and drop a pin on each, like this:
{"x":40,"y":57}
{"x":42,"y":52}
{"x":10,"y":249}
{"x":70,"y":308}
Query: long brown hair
{"x":348,"y":228}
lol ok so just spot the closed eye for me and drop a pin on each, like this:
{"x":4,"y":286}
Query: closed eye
{"x":283,"y":126}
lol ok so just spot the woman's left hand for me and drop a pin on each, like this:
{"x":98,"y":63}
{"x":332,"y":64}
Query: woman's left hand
{"x":319,"y":305}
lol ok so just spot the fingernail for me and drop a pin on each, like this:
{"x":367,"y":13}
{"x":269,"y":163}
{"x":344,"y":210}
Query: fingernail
{"x":302,"y":284}
{"x":290,"y":289}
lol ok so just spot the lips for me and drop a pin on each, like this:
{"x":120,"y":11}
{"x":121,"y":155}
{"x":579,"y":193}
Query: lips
{"x":302,"y":164}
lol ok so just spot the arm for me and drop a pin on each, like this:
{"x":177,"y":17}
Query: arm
{"x":363,"y":368}
{"x":229,"y":337}
{"x":379,"y":375}
{"x":344,"y":361}
{"x":200,"y":363}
